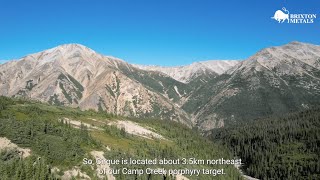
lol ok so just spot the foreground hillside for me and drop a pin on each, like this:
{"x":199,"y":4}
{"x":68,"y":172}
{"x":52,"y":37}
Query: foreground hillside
{"x":284,"y":147}
{"x":58,"y":138}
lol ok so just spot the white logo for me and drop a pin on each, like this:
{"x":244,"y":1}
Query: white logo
{"x":283,"y":15}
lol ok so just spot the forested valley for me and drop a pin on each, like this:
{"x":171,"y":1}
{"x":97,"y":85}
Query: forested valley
{"x":285,"y":147}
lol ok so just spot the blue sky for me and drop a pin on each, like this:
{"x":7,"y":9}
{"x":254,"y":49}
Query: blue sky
{"x":160,"y":32}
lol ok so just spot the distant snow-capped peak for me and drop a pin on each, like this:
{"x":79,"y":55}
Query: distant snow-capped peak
{"x":186,"y":73}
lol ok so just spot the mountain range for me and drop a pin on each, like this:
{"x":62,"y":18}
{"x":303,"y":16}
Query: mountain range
{"x":206,"y":94}
{"x":188,"y":73}
{"x":272,"y":82}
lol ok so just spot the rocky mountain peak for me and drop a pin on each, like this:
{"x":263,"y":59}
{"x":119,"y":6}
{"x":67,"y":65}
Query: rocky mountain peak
{"x":73,"y":47}
{"x":282,"y":57}
{"x":295,"y":49}
{"x":65,"y":55}
{"x":69,"y":51}
{"x":297,"y":43}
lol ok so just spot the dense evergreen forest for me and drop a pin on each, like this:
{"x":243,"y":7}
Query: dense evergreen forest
{"x":285,"y":147}
{"x":55,"y":143}
{"x":52,"y":143}
{"x":189,"y":144}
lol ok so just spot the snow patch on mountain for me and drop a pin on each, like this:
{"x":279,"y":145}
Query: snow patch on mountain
{"x":177,"y":91}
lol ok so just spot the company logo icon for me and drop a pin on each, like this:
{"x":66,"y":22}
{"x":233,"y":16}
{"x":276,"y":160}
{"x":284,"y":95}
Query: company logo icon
{"x":284,"y":16}
{"x":281,"y":16}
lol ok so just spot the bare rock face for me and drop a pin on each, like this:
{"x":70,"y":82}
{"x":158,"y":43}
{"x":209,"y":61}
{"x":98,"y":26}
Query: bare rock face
{"x":77,"y":76}
{"x":274,"y":81}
